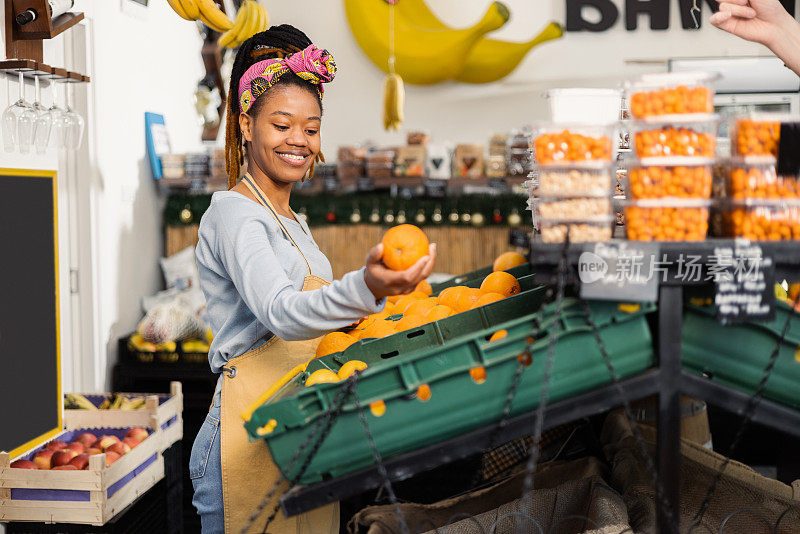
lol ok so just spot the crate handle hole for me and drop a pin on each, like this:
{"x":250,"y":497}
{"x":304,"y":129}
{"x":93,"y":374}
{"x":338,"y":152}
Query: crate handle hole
{"x":388,"y":355}
{"x":415,"y":333}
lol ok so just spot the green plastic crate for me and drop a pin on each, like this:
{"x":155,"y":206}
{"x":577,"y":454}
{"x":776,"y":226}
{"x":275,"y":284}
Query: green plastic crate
{"x":457,"y":403}
{"x":520,"y":270}
{"x":736,"y":355}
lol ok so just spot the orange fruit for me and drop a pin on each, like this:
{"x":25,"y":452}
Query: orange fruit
{"x":488,"y":298}
{"x":438,"y":312}
{"x":380,"y":328}
{"x":388,"y":308}
{"x":500,"y":334}
{"x":410,"y":321}
{"x":322,"y":376}
{"x":350,"y":367}
{"x":794,"y":290}
{"x":448,"y":296}
{"x":507,"y":260}
{"x":392,"y":299}
{"x":500,"y":282}
{"x":406,"y":300}
{"x":334,"y":342}
{"x":466,"y":298}
{"x":403,"y":245}
{"x":424,"y":287}
{"x":420,"y":307}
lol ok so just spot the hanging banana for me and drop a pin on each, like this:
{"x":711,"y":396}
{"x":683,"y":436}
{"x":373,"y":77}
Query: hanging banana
{"x":423,"y":56}
{"x":251,"y":19}
{"x":393,"y":101}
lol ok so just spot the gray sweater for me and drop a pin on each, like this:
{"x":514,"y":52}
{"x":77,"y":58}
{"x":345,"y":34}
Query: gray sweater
{"x":252,"y":278}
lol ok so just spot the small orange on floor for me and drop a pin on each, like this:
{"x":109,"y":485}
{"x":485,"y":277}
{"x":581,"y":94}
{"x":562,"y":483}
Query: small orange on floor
{"x":448,"y":296}
{"x":487,"y":298}
{"x":380,"y":328}
{"x":406,"y":300}
{"x":424,"y":287}
{"x":334,"y":342}
{"x":500,"y":282}
{"x":420,"y":307}
{"x":439,"y":312}
{"x":403,"y":245}
{"x":500,"y":334}
{"x":507,"y":260}
{"x":410,"y":321}
{"x":466,"y":298}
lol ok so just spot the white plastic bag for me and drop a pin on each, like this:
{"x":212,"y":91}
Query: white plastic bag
{"x":180,"y":270}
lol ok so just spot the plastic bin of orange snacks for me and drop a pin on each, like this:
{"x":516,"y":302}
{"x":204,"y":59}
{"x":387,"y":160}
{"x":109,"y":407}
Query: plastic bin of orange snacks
{"x":581,"y":144}
{"x":746,"y":180}
{"x":758,"y":134}
{"x":568,"y":180}
{"x":686,"y":138}
{"x":559,"y":209}
{"x":578,"y":230}
{"x":763,"y":220}
{"x":667,"y":220}
{"x":671,"y":178}
{"x":671,"y":94}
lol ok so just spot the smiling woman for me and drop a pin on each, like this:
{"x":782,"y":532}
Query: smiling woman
{"x":266,"y":283}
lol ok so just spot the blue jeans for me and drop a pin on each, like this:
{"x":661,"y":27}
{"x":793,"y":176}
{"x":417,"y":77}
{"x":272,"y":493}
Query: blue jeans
{"x":205,"y":470}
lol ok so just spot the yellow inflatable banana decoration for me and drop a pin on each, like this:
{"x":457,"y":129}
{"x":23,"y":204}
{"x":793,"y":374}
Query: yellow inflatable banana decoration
{"x":423,"y":56}
{"x":490,"y":59}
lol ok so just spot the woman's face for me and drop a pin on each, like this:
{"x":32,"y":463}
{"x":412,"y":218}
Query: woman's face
{"x":284,"y":137}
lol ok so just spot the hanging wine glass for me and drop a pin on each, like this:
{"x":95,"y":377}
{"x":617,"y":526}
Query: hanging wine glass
{"x":25,"y":125}
{"x":43,"y":121}
{"x":58,"y":115}
{"x":11,"y":115}
{"x":75,"y":125}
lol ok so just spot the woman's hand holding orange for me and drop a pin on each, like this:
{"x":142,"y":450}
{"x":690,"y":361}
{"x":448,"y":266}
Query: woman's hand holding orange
{"x":384,"y":282}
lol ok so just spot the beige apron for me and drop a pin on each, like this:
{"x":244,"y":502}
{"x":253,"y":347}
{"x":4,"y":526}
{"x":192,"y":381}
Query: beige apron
{"x":248,"y":471}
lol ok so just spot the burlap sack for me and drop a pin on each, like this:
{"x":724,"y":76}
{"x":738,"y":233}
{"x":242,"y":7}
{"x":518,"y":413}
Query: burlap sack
{"x":744,"y":501}
{"x":570,"y":497}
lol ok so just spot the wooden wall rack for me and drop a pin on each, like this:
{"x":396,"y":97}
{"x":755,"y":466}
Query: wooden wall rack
{"x":30,"y":68}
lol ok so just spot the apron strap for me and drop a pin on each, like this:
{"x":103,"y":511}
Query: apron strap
{"x":264,"y":200}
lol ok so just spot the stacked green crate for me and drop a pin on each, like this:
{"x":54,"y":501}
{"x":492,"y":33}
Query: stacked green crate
{"x":737,"y":355}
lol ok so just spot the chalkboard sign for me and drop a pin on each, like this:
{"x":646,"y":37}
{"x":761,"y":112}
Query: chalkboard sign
{"x":745,"y":281}
{"x":30,"y":380}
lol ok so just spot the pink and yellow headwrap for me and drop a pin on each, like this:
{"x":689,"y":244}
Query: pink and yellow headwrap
{"x":312,"y":64}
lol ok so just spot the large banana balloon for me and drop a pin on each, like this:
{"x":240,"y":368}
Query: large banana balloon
{"x":422,"y":56}
{"x":490,"y":59}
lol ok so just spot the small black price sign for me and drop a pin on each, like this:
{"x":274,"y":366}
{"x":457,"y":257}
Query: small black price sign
{"x":435,"y":188}
{"x":330,"y":183}
{"x":519,"y":238}
{"x":744,"y":280}
{"x":623,"y":270}
{"x":498,"y":184}
{"x":365,"y":184}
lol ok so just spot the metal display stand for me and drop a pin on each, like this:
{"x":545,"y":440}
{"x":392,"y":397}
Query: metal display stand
{"x":667,"y":380}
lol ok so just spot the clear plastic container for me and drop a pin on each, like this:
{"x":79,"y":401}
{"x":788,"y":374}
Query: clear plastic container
{"x":747,"y":180}
{"x":579,"y":231}
{"x":671,"y":94}
{"x":569,"y":180}
{"x":674,"y":178}
{"x":566,"y":209}
{"x":695,"y":137}
{"x":762,"y":220}
{"x":596,"y":106}
{"x":558,"y":144}
{"x":758,"y":134}
{"x":667,"y":220}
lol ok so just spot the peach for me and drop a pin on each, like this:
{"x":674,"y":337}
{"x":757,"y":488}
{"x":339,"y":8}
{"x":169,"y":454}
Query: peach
{"x":23,"y":464}
{"x":66,"y":467}
{"x":138,"y":433}
{"x":56,"y":445}
{"x":44,"y":459}
{"x":119,"y":448}
{"x":111,"y":457}
{"x":77,"y":446}
{"x":81,"y":461}
{"x":86,"y":439}
{"x":63,"y":457}
{"x":130,"y":442}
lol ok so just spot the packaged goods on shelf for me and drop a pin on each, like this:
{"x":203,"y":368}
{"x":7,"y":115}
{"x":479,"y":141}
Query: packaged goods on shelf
{"x":594,"y":106}
{"x":558,"y":209}
{"x":380,"y":163}
{"x":497,"y":145}
{"x":667,"y":220}
{"x":579,"y":231}
{"x":559,"y":144}
{"x":694,"y":136}
{"x":519,"y":155}
{"x":575,"y":181}
{"x":173,"y":165}
{"x":496,"y":167}
{"x":438,"y":162}
{"x":762,"y":220}
{"x":417,"y":138}
{"x":758,"y":134}
{"x":468,"y":161}
{"x":672,"y":94}
{"x":410,"y":161}
{"x":218,"y":164}
{"x":198,"y":165}
{"x":351,"y":162}
{"x":745,"y":180}
{"x":671,"y":178}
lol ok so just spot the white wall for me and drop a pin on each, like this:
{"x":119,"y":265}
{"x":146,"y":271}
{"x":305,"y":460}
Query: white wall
{"x":461,"y":112}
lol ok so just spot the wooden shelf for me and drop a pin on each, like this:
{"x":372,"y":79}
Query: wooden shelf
{"x":30,"y":68}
